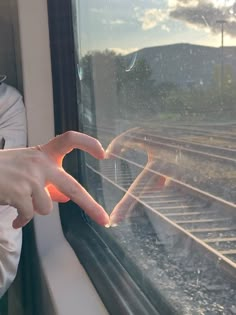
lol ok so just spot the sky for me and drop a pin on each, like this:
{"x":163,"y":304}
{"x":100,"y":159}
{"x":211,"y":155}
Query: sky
{"x":129,"y":25}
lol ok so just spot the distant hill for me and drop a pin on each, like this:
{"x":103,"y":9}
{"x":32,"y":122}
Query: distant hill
{"x":186,"y":64}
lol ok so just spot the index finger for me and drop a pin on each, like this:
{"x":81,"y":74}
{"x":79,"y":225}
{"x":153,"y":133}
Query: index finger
{"x":59,"y":146}
{"x":120,"y":143}
{"x":146,"y":182}
{"x":66,"y":184}
{"x":125,"y":206}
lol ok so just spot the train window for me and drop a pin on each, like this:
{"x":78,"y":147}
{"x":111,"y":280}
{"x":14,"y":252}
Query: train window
{"x":156,"y":85}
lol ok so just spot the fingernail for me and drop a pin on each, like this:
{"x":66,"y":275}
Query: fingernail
{"x":107,"y":225}
{"x":114,"y":225}
{"x":113,"y":222}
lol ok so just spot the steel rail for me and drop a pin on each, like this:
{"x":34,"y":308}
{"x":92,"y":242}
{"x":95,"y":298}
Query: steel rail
{"x":227,"y":264}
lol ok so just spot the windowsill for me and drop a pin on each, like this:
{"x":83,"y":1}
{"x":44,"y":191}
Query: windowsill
{"x":69,"y":286}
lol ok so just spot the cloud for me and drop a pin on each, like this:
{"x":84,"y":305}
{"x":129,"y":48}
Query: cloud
{"x":223,"y":3}
{"x":174,"y":3}
{"x":151,"y":17}
{"x":204,"y":14}
{"x":190,"y":3}
{"x":164,"y":27}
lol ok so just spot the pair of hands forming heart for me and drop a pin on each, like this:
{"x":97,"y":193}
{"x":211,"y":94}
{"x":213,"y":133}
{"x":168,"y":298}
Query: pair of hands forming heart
{"x":31,"y":178}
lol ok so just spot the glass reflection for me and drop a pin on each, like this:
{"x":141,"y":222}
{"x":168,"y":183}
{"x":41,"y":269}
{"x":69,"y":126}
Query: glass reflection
{"x":158,"y":90}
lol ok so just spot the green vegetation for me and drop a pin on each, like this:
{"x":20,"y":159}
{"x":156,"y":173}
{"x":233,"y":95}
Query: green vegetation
{"x":131,"y":92}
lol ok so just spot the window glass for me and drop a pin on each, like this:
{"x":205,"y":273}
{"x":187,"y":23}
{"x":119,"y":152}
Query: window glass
{"x":158,"y":89}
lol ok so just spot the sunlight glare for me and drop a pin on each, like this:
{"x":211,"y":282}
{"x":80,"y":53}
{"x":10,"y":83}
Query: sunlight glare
{"x":223,"y":3}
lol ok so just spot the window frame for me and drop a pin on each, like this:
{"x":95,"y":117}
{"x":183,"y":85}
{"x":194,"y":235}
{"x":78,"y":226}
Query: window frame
{"x":90,"y":248}
{"x":44,"y":275}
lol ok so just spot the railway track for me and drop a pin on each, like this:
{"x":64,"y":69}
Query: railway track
{"x":187,"y":213}
{"x":151,"y":137}
{"x":216,"y":152}
{"x":201,"y":134}
{"x":196,"y":164}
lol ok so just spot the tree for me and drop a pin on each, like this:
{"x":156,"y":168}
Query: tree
{"x":135,"y":88}
{"x":117,"y":91}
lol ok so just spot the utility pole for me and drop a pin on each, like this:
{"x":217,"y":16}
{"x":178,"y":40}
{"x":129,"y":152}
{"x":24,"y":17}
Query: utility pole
{"x":222,"y":23}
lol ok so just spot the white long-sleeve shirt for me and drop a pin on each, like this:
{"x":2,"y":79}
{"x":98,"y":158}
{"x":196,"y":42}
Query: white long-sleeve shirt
{"x":13,"y":130}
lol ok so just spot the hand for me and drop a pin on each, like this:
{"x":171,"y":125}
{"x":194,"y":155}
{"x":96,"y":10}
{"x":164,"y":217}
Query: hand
{"x":148,"y":179}
{"x":31,"y":178}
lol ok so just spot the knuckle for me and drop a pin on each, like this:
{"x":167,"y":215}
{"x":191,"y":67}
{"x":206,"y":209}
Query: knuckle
{"x":31,"y":157}
{"x":35,"y":159}
{"x":68,"y":135}
{"x":35,"y":183}
{"x":97,"y":143}
{"x":28,"y":216}
{"x":33,"y":180}
{"x":45,"y":210}
{"x":22,"y":191}
{"x":72,"y":192}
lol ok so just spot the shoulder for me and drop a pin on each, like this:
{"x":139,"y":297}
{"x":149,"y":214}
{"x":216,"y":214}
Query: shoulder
{"x":9,"y":91}
{"x":9,"y":96}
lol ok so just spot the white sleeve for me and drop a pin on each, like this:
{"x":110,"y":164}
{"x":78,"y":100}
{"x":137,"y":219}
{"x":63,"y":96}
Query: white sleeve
{"x":13,"y":129}
{"x":10,"y":247}
{"x":12,"y":117}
